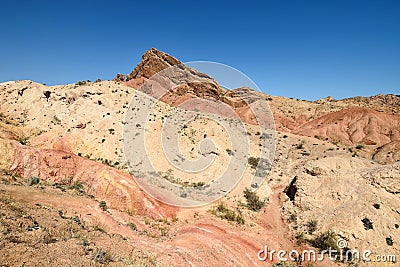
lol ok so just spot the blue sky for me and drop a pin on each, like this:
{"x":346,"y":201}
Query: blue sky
{"x":301,"y":49}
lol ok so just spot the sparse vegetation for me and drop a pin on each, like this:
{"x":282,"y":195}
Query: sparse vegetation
{"x":224,"y":212}
{"x":312,"y":226}
{"x":283,"y":264}
{"x":262,"y":166}
{"x":133,"y":226}
{"x":198,"y":184}
{"x":254,"y":202}
{"x":78,"y":186}
{"x":253,"y":162}
{"x":98,"y":227}
{"x":33,"y":180}
{"x":367,"y":224}
{"x":300,"y":238}
{"x":336,"y":143}
{"x":389,"y":241}
{"x":163,"y":231}
{"x":377,"y":206}
{"x":292,"y":218}
{"x":23,"y":140}
{"x":325,"y":240}
{"x":103,"y":205}
{"x":108,"y":162}
{"x":359,"y":147}
{"x":79,"y":83}
{"x":230,"y":152}
{"x":103,"y":257}
{"x":300,"y":146}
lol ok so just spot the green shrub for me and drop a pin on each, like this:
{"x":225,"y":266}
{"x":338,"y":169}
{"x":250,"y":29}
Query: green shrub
{"x":224,"y":212}
{"x":23,"y":140}
{"x":300,"y":146}
{"x":81,"y":83}
{"x":103,"y":257}
{"x":253,"y":200}
{"x":103,"y":205}
{"x":198,"y":184}
{"x":253,"y":162}
{"x":312,"y":226}
{"x":34,"y":180}
{"x":262,"y":166}
{"x":367,"y":224}
{"x":389,"y":241}
{"x":133,"y":226}
{"x":359,"y":147}
{"x":325,"y":241}
{"x":230,"y":152}
{"x":78,"y":186}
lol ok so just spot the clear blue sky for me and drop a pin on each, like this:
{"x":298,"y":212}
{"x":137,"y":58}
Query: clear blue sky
{"x":302,"y":49}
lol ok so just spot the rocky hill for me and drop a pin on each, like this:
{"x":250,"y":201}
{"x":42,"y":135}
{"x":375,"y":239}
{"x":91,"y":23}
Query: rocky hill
{"x":371,"y":122}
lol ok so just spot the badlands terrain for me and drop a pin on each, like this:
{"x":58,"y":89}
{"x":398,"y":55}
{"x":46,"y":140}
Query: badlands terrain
{"x":67,"y":196}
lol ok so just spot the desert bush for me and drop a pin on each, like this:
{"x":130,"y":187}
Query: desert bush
{"x":100,"y":228}
{"x":33,"y":180}
{"x":132,"y":226}
{"x":224,"y":212}
{"x":262,"y":166}
{"x":23,"y":140}
{"x":292,"y":218}
{"x":367,"y":224}
{"x":389,"y":241}
{"x":230,"y":152}
{"x":253,"y":200}
{"x":312,"y":226}
{"x":103,"y":257}
{"x":300,"y":146}
{"x":81,"y":83}
{"x":253,"y":162}
{"x":325,"y":241}
{"x":78,"y":186}
{"x":103,"y":205}
{"x":198,"y":184}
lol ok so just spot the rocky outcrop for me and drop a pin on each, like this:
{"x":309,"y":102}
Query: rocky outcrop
{"x":153,"y":61}
{"x":119,"y":78}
